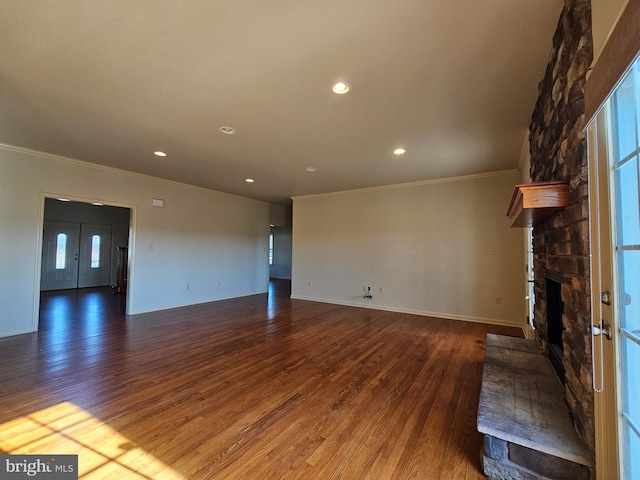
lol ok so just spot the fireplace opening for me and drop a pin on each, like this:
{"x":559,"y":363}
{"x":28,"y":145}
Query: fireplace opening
{"x":555,"y":327}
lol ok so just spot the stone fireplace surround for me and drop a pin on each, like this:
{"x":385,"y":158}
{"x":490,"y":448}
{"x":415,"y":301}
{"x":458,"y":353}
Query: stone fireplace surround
{"x":561,"y":244}
{"x":557,"y":149}
{"x":528,"y":448}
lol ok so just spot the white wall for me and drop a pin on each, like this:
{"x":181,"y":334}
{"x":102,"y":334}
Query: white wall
{"x":200,"y":237}
{"x":422,"y":244}
{"x":280,"y":215}
{"x":524,"y":161}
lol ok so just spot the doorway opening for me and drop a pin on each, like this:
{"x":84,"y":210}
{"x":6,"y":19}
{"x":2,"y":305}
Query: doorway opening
{"x":280,"y":252}
{"x":84,"y":245}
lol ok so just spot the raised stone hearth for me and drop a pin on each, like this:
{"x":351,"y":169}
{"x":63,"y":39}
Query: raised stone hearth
{"x":528,"y":434}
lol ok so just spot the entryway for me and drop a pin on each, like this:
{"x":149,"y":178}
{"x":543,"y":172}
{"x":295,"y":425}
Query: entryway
{"x":82,"y":247}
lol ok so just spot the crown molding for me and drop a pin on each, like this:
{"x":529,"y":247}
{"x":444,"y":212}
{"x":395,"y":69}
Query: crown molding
{"x":411,"y":184}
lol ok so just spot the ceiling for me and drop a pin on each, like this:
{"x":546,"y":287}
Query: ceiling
{"x":454,"y":83}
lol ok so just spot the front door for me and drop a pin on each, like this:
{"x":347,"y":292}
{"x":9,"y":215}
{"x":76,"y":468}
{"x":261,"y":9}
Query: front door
{"x":60,"y":256}
{"x":95,"y":255}
{"x":75,"y":256}
{"x":614,"y":151}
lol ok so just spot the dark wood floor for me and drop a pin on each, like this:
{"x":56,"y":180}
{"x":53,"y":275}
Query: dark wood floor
{"x":260,"y":387}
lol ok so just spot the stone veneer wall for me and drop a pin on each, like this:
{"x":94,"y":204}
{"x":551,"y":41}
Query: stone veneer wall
{"x":558,"y":152}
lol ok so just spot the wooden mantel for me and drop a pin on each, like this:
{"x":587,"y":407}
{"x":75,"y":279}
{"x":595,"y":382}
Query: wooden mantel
{"x":533,"y":203}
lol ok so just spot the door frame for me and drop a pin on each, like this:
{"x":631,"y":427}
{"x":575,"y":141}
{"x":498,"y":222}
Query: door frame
{"x":604,"y":352}
{"x":38,"y":264}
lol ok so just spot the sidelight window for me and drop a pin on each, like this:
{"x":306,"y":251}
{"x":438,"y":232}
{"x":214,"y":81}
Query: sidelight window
{"x":271,"y":249}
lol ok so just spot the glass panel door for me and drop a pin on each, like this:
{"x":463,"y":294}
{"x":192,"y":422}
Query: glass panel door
{"x":625,"y":136}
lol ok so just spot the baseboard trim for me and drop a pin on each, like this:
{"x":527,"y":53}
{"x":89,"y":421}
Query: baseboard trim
{"x":424,"y":313}
{"x":12,"y":333}
{"x":529,"y":332}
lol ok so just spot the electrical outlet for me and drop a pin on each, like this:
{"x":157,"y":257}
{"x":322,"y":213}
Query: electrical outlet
{"x":498,"y":300}
{"x":310,"y":283}
{"x":489,"y":251}
{"x":364,"y":288}
{"x":188,"y":285}
{"x":380,"y":290}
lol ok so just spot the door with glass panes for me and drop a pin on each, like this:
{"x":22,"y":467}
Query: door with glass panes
{"x":75,"y":256}
{"x":614,"y":151}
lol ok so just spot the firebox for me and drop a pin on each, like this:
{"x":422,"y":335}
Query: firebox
{"x":555,"y":327}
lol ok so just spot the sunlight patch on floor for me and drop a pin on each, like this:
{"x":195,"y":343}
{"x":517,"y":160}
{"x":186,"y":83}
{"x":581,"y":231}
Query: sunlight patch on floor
{"x":68,"y":429}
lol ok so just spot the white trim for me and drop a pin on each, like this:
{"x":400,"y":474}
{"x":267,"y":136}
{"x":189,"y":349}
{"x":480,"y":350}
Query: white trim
{"x":35,"y":305}
{"x":133,"y":209}
{"x":410,"y":184}
{"x":424,"y":313}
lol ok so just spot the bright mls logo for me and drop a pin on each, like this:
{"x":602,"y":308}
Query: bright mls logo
{"x":51,"y":467}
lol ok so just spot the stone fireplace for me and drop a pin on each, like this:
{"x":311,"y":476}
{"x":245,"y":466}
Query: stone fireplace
{"x":561,"y":243}
{"x":528,"y":432}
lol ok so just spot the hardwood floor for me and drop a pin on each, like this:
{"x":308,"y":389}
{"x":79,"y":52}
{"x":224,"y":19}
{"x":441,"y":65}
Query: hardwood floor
{"x":260,"y":387}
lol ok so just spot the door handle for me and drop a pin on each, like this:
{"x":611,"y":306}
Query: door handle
{"x":605,"y":297}
{"x":604,"y":329}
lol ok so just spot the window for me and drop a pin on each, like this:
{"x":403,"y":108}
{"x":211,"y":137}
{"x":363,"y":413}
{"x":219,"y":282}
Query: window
{"x":625,"y":108}
{"x":61,"y":251}
{"x":271,"y":249}
{"x":531,"y":293}
{"x":95,"y":251}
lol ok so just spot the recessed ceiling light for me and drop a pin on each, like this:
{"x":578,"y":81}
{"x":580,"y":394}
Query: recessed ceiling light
{"x":64,"y":200}
{"x":399,"y":151}
{"x":249,"y":180}
{"x":160,"y":154}
{"x":341,"y":88}
{"x":311,"y":169}
{"x":228,"y":130}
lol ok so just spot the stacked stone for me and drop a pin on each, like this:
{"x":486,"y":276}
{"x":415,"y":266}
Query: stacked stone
{"x":558,"y":153}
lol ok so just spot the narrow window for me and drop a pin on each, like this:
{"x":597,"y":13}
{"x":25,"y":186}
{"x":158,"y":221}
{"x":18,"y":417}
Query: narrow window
{"x":61,"y":251}
{"x":271,"y":249}
{"x":95,"y":251}
{"x":626,"y":164}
